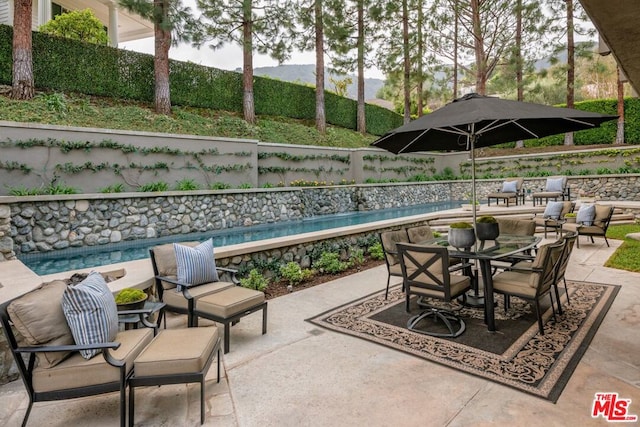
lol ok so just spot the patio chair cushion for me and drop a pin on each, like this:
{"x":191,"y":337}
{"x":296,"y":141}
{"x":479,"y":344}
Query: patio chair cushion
{"x":229,"y":302}
{"x":196,"y":265}
{"x":77,"y":371}
{"x":553,"y":210}
{"x":457,"y":285}
{"x":555,"y":184}
{"x":175,"y":298}
{"x":602,"y":214}
{"x":177,"y":351}
{"x":91,"y":312}
{"x":510,"y":186}
{"x":165,"y":257}
{"x":39,"y":318}
{"x":586,"y":214}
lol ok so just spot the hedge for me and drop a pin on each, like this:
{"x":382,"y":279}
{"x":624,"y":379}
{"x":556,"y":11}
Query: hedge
{"x":73,"y":66}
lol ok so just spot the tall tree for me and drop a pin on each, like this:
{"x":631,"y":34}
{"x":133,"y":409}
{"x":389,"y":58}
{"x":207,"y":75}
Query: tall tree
{"x":256,"y":25}
{"x":22,"y":86}
{"x":620,"y":87}
{"x":172,"y":23}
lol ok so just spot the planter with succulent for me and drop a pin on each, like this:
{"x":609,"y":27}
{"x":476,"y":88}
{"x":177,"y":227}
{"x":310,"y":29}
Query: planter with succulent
{"x":570,"y":217}
{"x":461,"y":235}
{"x":487,"y":228}
{"x":130,"y":299}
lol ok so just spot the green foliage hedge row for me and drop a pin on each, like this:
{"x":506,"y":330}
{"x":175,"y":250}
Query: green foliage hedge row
{"x":68,"y":65}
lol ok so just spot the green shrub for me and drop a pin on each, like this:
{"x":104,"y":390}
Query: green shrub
{"x":255,"y":280}
{"x":219,"y":186}
{"x":244,"y":186}
{"x":329,"y":262}
{"x":357,"y":256}
{"x":23,"y":191}
{"x":60,"y":189}
{"x":128,"y":295}
{"x":151,"y":187}
{"x":114,"y":188}
{"x":376,"y":251}
{"x":294,"y":274}
{"x":187,"y":185}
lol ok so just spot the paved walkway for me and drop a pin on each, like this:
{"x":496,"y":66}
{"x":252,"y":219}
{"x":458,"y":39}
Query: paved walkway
{"x":302,"y":375}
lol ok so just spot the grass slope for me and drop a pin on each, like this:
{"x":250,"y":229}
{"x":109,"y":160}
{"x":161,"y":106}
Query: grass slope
{"x":86,"y":111}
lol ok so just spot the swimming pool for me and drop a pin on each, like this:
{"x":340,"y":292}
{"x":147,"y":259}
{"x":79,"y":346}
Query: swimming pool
{"x":93,"y":256}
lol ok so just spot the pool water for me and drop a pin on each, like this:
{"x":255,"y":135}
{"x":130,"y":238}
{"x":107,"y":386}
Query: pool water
{"x":87,"y":257}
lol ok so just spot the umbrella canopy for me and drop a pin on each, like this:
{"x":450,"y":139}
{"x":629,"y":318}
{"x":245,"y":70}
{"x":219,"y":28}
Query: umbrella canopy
{"x":474,"y":121}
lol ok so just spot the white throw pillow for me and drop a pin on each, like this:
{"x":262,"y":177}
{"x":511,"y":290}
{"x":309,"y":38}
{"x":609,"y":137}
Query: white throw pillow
{"x":586,"y":214}
{"x":91,"y":312}
{"x":196,"y":265}
{"x":553,"y":210}
{"x":555,"y":185}
{"x":510,"y":186}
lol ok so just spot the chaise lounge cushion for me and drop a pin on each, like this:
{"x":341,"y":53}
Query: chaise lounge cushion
{"x":229,"y":302}
{"x":79,"y":372}
{"x":91,"y":312}
{"x":39,"y":318}
{"x":196,"y":265}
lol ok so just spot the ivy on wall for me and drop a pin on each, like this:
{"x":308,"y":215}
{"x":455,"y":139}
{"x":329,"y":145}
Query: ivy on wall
{"x":300,"y":158}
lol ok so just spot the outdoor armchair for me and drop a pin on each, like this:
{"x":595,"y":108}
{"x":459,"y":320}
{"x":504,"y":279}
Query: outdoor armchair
{"x":531,"y":282}
{"x":511,"y":189}
{"x":426,"y":273}
{"x":556,"y":187}
{"x":389,"y":240}
{"x":596,"y":228}
{"x":36,"y":328}
{"x":553,"y":216}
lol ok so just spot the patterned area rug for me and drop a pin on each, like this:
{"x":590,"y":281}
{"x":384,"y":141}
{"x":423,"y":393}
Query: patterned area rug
{"x":516,"y":355}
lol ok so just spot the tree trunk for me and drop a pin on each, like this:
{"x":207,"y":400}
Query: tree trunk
{"x":455,"y":51}
{"x":571,"y":66}
{"x":620,"y":131}
{"x":321,"y":120}
{"x":518,"y":59}
{"x":407,"y":66}
{"x":478,"y":42}
{"x":22,"y":85}
{"x":247,"y":68}
{"x":419,"y":61}
{"x":161,"y":61}
{"x":361,"y":116}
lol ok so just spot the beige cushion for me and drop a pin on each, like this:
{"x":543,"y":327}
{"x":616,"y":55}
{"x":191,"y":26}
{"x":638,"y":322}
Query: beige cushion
{"x":173,"y":298}
{"x":177,"y":351}
{"x":514,"y":282}
{"x":165,"y":257}
{"x":419,"y":234}
{"x":602,"y":213}
{"x":79,"y":372}
{"x":389,"y":240}
{"x":583,"y":229}
{"x":520,"y":227}
{"x":39,"y":318}
{"x":458,"y":284}
{"x":230,"y":301}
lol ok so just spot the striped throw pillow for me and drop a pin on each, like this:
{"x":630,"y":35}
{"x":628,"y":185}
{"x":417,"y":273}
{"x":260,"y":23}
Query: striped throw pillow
{"x":196,"y":265}
{"x":91,"y":312}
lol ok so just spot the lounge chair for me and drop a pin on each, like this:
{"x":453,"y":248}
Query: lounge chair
{"x":553,"y":216}
{"x":597,"y":228}
{"x":511,"y":190}
{"x":556,"y":188}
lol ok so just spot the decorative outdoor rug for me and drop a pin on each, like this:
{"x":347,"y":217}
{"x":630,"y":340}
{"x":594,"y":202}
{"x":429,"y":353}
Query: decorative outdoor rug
{"x":516,"y":355}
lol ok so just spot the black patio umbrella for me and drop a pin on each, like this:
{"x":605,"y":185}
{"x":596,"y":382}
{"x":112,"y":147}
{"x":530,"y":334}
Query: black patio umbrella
{"x":474,"y":121}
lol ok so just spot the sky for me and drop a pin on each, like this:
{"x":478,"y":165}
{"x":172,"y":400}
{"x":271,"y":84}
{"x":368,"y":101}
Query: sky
{"x":227,"y":58}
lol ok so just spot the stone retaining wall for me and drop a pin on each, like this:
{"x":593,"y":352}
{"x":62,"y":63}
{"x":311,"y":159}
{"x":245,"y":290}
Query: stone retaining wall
{"x":49,"y":223}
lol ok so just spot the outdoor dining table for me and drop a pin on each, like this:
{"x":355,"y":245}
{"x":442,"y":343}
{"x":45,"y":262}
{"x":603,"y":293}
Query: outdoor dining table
{"x":505,"y":246}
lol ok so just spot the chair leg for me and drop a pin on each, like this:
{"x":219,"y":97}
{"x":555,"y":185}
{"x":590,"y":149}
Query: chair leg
{"x":555,"y":287}
{"x":227,"y":332}
{"x":26,"y":415}
{"x":264,"y":319}
{"x":386,"y":293}
{"x":132,"y":411}
{"x":539,"y":316}
{"x":218,"y":357}
{"x":566,"y":290}
{"x":202,"y":400}
{"x":606,"y":241}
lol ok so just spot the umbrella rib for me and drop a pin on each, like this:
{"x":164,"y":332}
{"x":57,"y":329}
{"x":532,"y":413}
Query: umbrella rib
{"x":412,"y":141}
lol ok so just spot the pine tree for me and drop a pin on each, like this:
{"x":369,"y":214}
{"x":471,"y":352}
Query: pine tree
{"x":23,"y":86}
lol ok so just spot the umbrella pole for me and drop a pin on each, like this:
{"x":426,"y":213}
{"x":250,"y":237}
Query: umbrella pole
{"x":474,"y":300}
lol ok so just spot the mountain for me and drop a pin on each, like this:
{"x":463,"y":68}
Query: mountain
{"x":306,"y":74}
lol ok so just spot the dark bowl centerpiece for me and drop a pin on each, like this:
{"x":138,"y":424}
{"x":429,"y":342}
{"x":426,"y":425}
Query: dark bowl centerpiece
{"x":130,"y":299}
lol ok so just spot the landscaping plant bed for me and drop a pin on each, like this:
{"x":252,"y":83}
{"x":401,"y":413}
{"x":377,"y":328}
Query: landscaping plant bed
{"x":279,"y":288}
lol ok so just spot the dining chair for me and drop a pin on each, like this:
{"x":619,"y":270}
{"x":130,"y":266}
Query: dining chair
{"x":389,"y":240}
{"x":426,"y":273}
{"x":532,"y":282}
{"x":419,"y":233}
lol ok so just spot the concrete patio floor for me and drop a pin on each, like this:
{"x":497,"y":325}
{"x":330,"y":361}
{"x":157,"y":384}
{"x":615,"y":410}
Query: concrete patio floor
{"x":301,"y":375}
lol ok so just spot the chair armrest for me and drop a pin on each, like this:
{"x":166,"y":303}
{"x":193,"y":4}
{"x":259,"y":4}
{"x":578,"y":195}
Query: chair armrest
{"x":171,"y":280}
{"x":70,"y":347}
{"x":232,"y":271}
{"x":525,"y":270}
